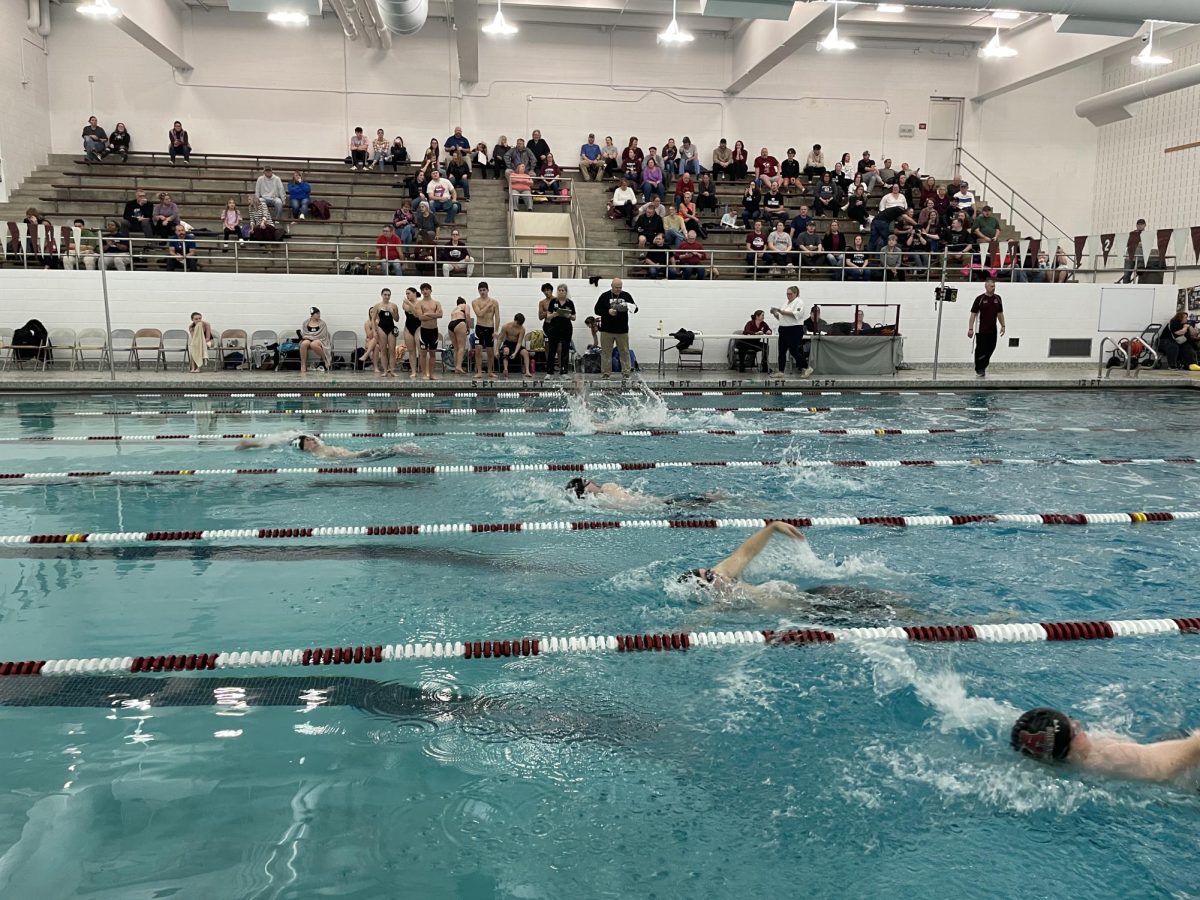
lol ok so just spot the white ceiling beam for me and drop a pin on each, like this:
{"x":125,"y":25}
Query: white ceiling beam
{"x":156,"y":26}
{"x":765,"y":44}
{"x":466,"y":39}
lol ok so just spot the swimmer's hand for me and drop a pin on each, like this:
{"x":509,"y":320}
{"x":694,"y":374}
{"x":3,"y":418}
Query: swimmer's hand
{"x":790,"y":530}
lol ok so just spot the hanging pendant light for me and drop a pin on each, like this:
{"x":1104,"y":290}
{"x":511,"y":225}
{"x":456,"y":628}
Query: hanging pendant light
{"x":993,"y":49}
{"x":834,"y":41}
{"x":498,"y":27}
{"x":674,"y":34}
{"x":1148,"y":57}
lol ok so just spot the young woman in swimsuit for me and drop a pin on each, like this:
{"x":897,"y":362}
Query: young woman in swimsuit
{"x":386,"y":312}
{"x":412,"y":299}
{"x":370,"y":344}
{"x":460,"y":326}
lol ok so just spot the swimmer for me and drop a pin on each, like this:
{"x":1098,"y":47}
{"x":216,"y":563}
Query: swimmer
{"x":1051,"y":736}
{"x":308,"y":443}
{"x":728,"y":572}
{"x":584,"y":487}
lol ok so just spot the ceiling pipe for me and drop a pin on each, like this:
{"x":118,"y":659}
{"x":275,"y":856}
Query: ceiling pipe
{"x":1109,"y":107}
{"x":402,"y":16}
{"x":371,"y":10}
{"x":348,"y":27}
{"x":1181,"y":11}
{"x":363,"y":22}
{"x":34,"y":17}
{"x":44,"y":17}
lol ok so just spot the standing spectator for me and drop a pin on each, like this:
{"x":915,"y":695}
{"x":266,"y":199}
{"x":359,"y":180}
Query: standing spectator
{"x":814,"y":163}
{"x":455,"y":258}
{"x":612,"y":307}
{"x":314,"y":338}
{"x":779,"y":249}
{"x":443,"y":197}
{"x":269,"y":189}
{"x":856,"y":208}
{"x":751,"y":204}
{"x":857,"y":264}
{"x":624,"y":200}
{"x":611,"y":155}
{"x":740,"y":166}
{"x":834,"y":245}
{"x":458,"y":171}
{"x":706,"y":193}
{"x":166,"y":216}
{"x":380,"y":150}
{"x":986,"y":311}
{"x":457,"y":142}
{"x":81,"y":255}
{"x":652,"y":181}
{"x":789,"y":172}
{"x":756,"y":249}
{"x":722,"y":160}
{"x":200,"y":341}
{"x":649,"y":223}
{"x":178,"y":143}
{"x":631,"y":161}
{"x":116,"y":246}
{"x":119,"y":141}
{"x":538,"y":147}
{"x":139,"y":214}
{"x":500,"y":154}
{"x":689,"y":157}
{"x":1135,"y":261}
{"x":691,"y":256}
{"x":791,"y":334}
{"x":388,"y":249}
{"x":560,"y":314}
{"x":95,"y":141}
{"x":231,"y":224}
{"x":766,"y":168}
{"x":181,"y":250}
{"x":397,"y":154}
{"x":548,"y":177}
{"x":756,"y":326}
{"x":828,"y":196}
{"x":520,"y":188}
{"x":589,"y":159}
{"x":520,"y":155}
{"x":299,"y":191}
{"x":674,"y":227}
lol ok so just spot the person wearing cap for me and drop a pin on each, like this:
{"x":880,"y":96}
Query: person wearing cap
{"x":985,"y":229}
{"x":964,"y":202}
{"x":589,"y":159}
{"x":1049,"y":735}
{"x":1134,"y":259}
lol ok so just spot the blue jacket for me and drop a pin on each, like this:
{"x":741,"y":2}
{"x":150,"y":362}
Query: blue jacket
{"x":298,"y":191}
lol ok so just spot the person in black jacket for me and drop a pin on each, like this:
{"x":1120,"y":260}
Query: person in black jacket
{"x":539,"y":148}
{"x":119,"y":141}
{"x":139,"y":214}
{"x":649,"y":223}
{"x":613,"y":307}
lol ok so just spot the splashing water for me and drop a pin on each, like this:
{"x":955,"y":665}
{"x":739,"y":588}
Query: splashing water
{"x":792,"y":559}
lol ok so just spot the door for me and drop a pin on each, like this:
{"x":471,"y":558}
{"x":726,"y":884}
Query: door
{"x":943,"y":137}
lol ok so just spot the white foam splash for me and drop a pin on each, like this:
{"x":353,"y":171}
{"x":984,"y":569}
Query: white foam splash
{"x":793,"y":559}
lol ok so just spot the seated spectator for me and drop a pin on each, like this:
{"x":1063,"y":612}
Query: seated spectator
{"x":687,"y":210}
{"x":674,"y":228}
{"x":590,"y":161}
{"x":652,"y":181}
{"x":455,"y":258}
{"x":299,"y":194}
{"x":722,"y":160}
{"x":789,"y":173}
{"x":166,"y":216}
{"x":828,"y":196}
{"x":751,"y":204}
{"x":956,"y":242}
{"x":416,"y":185}
{"x":893,"y":198}
{"x":910,"y":188}
{"x":855,"y":182}
{"x":916,"y":248}
{"x":779,"y":249}
{"x":669,"y":160}
{"x":388,"y":248}
{"x":119,"y":141}
{"x":891,"y":260}
{"x":116,"y":246}
{"x":691,"y":257}
{"x":269,"y":189}
{"x":231,"y":223}
{"x":799,"y":223}
{"x":500,"y":154}
{"x":814,"y":163}
{"x":689,"y":157}
{"x":443,"y":197}
{"x":262,"y":223}
{"x":315,"y":338}
{"x":1178,"y":342}
{"x":480,"y":159}
{"x":610,"y":154}
{"x":750,"y":349}
{"x":95,"y":141}
{"x":397,"y":154}
{"x":549,"y":182}
{"x":774,"y":207}
{"x":458,"y":172}
{"x":834,"y":245}
{"x":706,"y":193}
{"x":631,"y":162}
{"x":181,"y":250}
{"x":655,"y":257}
{"x":624,"y":201}
{"x":538,"y":147}
{"x":178,"y":143}
{"x":649,"y":223}
{"x":887,"y":175}
{"x":81,"y":254}
{"x":431,"y":162}
{"x":756,"y":249}
{"x":865,"y":165}
{"x":929,"y":223}
{"x":766,"y":169}
{"x":964,"y":202}
{"x":457,"y":142}
{"x":425,"y":223}
{"x":928,"y":190}
{"x":653,"y":154}
{"x":403,"y":221}
{"x":943,"y":205}
{"x":380,"y":150}
{"x":740,"y":167}
{"x":913,"y":175}
{"x":985,"y":229}
{"x":520,"y":187}
{"x":684,"y":185}
{"x":139,"y":215}
{"x":857,"y":262}
{"x":520,"y":155}
{"x":812,"y":253}
{"x":856,"y":208}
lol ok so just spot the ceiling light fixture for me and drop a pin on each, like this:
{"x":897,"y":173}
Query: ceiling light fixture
{"x":674,"y":34}
{"x":834,"y":41}
{"x":287,"y":17}
{"x":498,"y":27}
{"x":889,"y":8}
{"x":993,"y":49}
{"x":1148,"y":57}
{"x":1007,"y":15}
{"x":99,"y":9}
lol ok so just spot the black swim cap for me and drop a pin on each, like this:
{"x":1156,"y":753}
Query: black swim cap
{"x":300,"y":441}
{"x":697,"y":575}
{"x":1044,"y":734}
{"x":578,"y":485}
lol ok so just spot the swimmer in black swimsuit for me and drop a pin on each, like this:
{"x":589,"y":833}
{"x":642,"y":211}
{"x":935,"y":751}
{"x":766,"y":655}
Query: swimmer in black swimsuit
{"x":459,"y":324}
{"x":385,"y":329}
{"x":310,"y":443}
{"x":412,"y":297}
{"x":616,"y":495}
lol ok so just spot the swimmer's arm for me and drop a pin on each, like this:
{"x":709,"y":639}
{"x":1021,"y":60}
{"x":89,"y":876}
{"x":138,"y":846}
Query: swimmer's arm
{"x":733,"y":565}
{"x":1160,"y":761}
{"x":251,"y":445}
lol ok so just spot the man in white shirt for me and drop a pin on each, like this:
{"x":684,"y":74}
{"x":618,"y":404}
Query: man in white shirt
{"x":625,"y":200}
{"x":269,"y":189}
{"x":791,"y":334}
{"x":442,"y":197}
{"x":964,"y":202}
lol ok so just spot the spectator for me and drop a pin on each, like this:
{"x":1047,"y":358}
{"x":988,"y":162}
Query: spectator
{"x":691,"y":256}
{"x":560,"y":313}
{"x":299,"y":191}
{"x":722,"y":157}
{"x":985,"y":229}
{"x":943,"y":205}
{"x":773,"y":206}
{"x":887,"y":174}
{"x":458,"y":172}
{"x":857,"y":262}
{"x":756,"y":326}
{"x":500,"y":154}
{"x":893,"y":198}
{"x":403,"y":221}
{"x":916,"y":247}
{"x":425,"y":223}
{"x":928,"y":190}
{"x":119,"y":141}
{"x":841,"y":177}
{"x":766,"y":169}
{"x":687,"y":210}
{"x":669,"y":160}
{"x":81,"y":254}
{"x":95,"y":141}
{"x":457,"y":142}
{"x":649,"y":223}
{"x":231,"y":224}
{"x":929,"y":222}
{"x":455,"y":258}
{"x":674,"y":227}
{"x":866,"y":164}
{"x":684,"y":185}
{"x":956,"y":242}
{"x":789,"y":171}
{"x":520,"y":155}
{"x":1178,"y":343}
{"x":139,"y":214}
{"x":166,"y":216}
{"x":834,"y":245}
{"x":812,"y":252}
{"x":706,"y":193}
{"x":612,"y":307}
{"x":799,"y":224}
{"x":854,"y":185}
{"x":1135,"y":261}
{"x":910,"y":188}
{"x":262,"y":223}
{"x":689,"y":157}
{"x":891,"y":260}
{"x":314,"y":338}
{"x":652,"y":154}
{"x":739,"y":168}
{"x":756,"y":249}
{"x":814,"y":163}
{"x":380,"y":150}
{"x":779,"y":247}
{"x":269,"y":189}
{"x":631,"y":161}
{"x":443,"y":197}
{"x":181,"y":250}
{"x":624,"y":200}
{"x":590,"y":160}
{"x":480,"y":161}
{"x":200,"y":341}
{"x":178,"y":143}
{"x":655,"y":259}
{"x":856,"y":208}
{"x":652,"y":181}
{"x":388,"y":250}
{"x":520,"y":187}
{"x":751,"y":204}
{"x":548,"y":178}
{"x":791,"y":334}
{"x":538,"y":147}
{"x":397,"y":154}
{"x":882,"y":224}
{"x":964,"y":202}
{"x":847,"y":165}
{"x":416,"y":184}
{"x":814,"y":324}
{"x":116,"y":246}
{"x":611,"y":156}
{"x":828,"y":196}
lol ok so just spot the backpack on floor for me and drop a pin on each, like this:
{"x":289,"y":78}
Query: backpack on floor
{"x":320,"y":209}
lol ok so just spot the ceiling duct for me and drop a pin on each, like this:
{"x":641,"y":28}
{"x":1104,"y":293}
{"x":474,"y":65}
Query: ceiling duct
{"x":402,"y":16}
{"x":1109,"y":107}
{"x":779,"y":10}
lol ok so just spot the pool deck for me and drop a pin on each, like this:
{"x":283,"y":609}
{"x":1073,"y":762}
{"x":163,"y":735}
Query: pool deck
{"x":920,"y":377}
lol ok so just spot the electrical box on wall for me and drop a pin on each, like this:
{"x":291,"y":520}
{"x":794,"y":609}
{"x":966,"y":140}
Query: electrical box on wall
{"x":908,"y":131}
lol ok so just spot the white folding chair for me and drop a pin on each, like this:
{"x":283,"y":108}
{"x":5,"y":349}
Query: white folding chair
{"x":260,"y":340}
{"x":345,"y":342}
{"x":234,"y":340}
{"x":61,"y":340}
{"x":175,"y":342}
{"x":147,"y":340}
{"x":92,"y":340}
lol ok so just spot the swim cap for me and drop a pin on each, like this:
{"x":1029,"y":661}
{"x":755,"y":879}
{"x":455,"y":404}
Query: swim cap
{"x":697,"y":575}
{"x":578,"y":485}
{"x":298,"y":442}
{"x":1043,"y":733}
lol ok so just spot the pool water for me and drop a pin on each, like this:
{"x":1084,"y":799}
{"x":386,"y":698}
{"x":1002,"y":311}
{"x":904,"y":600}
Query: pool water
{"x":833,"y":770}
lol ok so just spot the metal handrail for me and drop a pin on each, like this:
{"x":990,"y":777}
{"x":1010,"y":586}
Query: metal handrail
{"x":1014,"y":195}
{"x":1124,"y":355}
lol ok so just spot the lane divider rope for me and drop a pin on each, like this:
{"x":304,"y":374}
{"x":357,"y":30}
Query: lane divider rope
{"x":341,"y":531}
{"x":492,"y":468}
{"x":681,"y":641}
{"x":524,"y":392}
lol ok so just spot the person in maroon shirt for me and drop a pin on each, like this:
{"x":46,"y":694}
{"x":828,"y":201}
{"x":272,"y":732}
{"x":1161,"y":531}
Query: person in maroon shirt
{"x":756,"y":245}
{"x":986,"y":311}
{"x":691,"y":257}
{"x":834,"y":244}
{"x":756,"y":325}
{"x":766,"y":167}
{"x":631,"y":161}
{"x":547,"y":182}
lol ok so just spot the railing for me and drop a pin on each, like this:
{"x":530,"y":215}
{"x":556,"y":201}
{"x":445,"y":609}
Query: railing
{"x":1034,"y":218}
